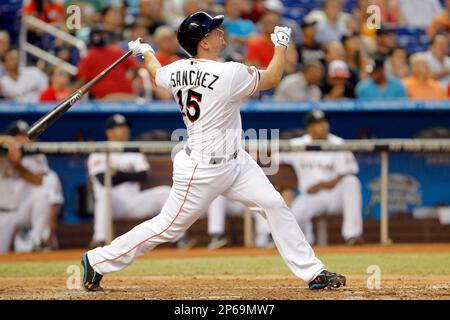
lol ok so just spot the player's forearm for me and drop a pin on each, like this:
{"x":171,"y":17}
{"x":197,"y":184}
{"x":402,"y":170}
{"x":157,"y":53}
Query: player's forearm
{"x":34,"y":179}
{"x":325,"y":184}
{"x":151,"y":64}
{"x":271,"y":77}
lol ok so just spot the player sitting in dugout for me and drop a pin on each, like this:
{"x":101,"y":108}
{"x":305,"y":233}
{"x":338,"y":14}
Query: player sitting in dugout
{"x":25,"y":202}
{"x":129,"y":171}
{"x":327,"y":181}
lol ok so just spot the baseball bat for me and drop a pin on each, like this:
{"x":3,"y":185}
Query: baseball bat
{"x":49,"y":118}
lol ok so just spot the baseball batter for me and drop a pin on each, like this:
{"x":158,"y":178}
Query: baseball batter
{"x":129,"y":169}
{"x":327,"y":181}
{"x":209,"y":94}
{"x":27,"y":202}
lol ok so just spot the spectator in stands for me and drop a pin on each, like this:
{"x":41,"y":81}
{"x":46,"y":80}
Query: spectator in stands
{"x":419,"y":13}
{"x":335,"y":51}
{"x":239,"y":30}
{"x":59,"y":88}
{"x":113,"y":22}
{"x":277,"y":7}
{"x":438,"y":59}
{"x":138,"y":29}
{"x":117,"y":85}
{"x":379,"y":85}
{"x":327,"y":181}
{"x":229,"y":53}
{"x":386,"y":40}
{"x":188,"y":7}
{"x":23,"y":84}
{"x":397,"y":63}
{"x":151,"y":13}
{"x":441,"y":22}
{"x":420,"y":85}
{"x":356,"y":57}
{"x":4,"y":46}
{"x":167,"y":44}
{"x":24,"y":202}
{"x":49,"y":11}
{"x":252,"y":10}
{"x":259,"y":50}
{"x":301,"y":85}
{"x":309,"y":50}
{"x":337,"y":85}
{"x":390,"y":12}
{"x":332,"y":22}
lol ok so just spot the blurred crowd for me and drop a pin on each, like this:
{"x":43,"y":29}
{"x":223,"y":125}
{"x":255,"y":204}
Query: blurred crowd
{"x":335,"y":54}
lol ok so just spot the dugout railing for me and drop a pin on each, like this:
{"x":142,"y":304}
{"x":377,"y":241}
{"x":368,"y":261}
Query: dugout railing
{"x":382,"y":146}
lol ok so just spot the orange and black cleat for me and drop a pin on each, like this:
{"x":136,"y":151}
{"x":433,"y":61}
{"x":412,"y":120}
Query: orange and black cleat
{"x":327,"y":280}
{"x":91,"y":279}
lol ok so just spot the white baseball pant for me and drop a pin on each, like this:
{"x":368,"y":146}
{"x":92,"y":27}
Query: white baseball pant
{"x":33,"y":212}
{"x":196,"y":183}
{"x":344,"y":198}
{"x":144,"y":204}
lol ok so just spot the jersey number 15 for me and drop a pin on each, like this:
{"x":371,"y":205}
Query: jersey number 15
{"x":192,"y":107}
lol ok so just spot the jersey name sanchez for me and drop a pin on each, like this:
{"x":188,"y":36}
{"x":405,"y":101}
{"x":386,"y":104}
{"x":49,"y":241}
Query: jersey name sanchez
{"x":209,"y":94}
{"x":313,"y":167}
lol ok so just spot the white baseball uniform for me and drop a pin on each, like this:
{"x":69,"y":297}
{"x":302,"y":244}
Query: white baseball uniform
{"x":127,"y":199}
{"x":209,"y":94}
{"x":313,"y":167}
{"x":52,"y":185}
{"x":23,"y":205}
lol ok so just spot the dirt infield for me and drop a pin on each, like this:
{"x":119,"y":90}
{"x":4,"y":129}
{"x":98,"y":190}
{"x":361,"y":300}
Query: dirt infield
{"x":226,"y":286}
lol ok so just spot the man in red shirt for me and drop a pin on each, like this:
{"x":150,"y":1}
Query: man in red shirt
{"x":48,"y":11}
{"x":166,"y":41}
{"x":260,"y":48}
{"x":59,"y":88}
{"x":117,"y":85}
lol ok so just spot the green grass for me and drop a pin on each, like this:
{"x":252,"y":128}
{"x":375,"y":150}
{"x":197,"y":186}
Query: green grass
{"x":390,"y":263}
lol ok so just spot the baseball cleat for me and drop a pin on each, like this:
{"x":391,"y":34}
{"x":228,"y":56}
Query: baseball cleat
{"x":327,"y":280}
{"x":217,"y":241}
{"x":91,"y":279}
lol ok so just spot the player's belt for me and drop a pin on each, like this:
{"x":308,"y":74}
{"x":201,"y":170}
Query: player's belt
{"x":213,"y":160}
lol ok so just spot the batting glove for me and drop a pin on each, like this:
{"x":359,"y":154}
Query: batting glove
{"x":281,"y":36}
{"x":139,"y":48}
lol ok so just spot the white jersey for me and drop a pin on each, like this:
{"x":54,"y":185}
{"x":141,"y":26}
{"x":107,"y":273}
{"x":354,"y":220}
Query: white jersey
{"x":313,"y":167}
{"x":125,"y":161}
{"x":12,"y":186}
{"x":53,"y":185}
{"x":209,"y":94}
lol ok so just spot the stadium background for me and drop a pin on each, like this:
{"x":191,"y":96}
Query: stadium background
{"x":350,"y":119}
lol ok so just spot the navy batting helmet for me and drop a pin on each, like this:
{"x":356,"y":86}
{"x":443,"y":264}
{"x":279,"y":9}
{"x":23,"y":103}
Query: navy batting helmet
{"x":194,"y":28}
